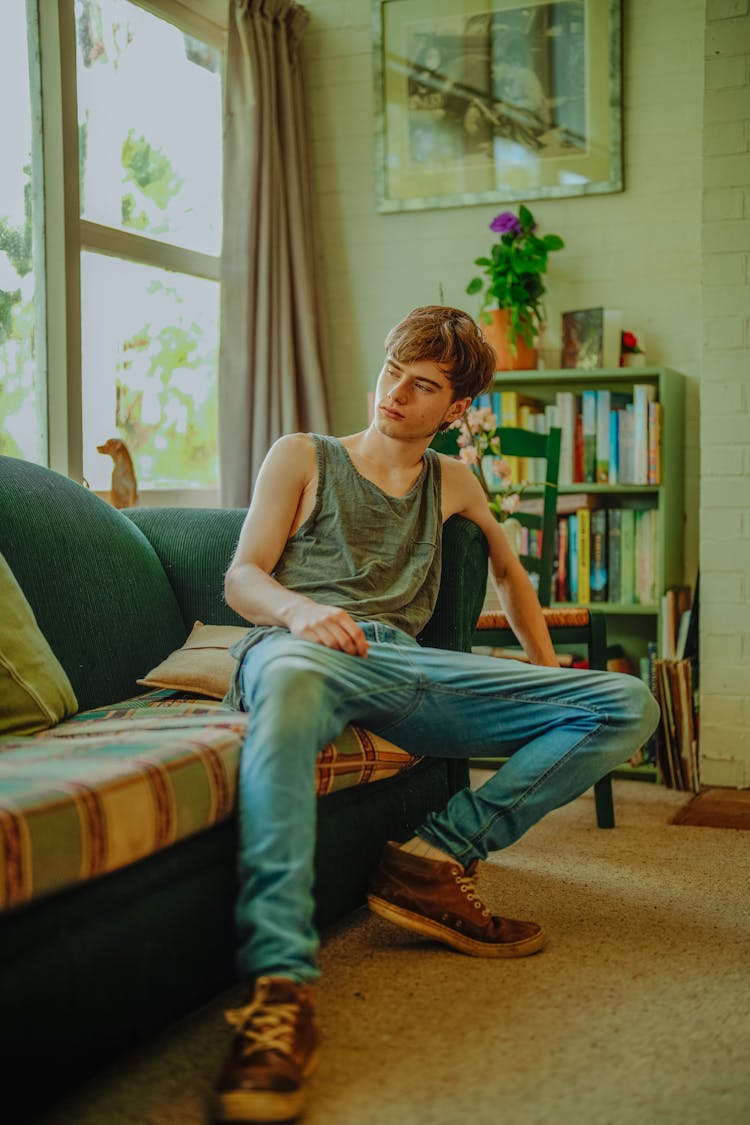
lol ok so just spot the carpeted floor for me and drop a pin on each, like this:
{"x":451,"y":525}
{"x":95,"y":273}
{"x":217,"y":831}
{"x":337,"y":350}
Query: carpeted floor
{"x":637,"y":1013}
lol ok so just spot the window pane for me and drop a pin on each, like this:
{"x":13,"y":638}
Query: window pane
{"x":150,"y":352}
{"x":149,"y":121}
{"x":22,"y":381}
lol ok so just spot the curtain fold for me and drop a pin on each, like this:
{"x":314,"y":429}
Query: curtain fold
{"x":271,"y":363}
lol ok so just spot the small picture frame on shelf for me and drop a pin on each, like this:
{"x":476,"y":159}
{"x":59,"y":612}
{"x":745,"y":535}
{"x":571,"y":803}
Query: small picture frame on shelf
{"x":591,"y":338}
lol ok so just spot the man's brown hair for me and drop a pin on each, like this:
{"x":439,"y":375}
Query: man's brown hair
{"x":449,"y":337}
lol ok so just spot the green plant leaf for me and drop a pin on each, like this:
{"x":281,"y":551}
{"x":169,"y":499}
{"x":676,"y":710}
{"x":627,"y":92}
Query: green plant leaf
{"x":525,"y":218}
{"x":474,"y":285}
{"x":553,"y":242}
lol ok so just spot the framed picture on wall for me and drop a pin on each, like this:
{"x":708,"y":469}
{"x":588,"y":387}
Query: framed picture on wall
{"x":482,"y":101}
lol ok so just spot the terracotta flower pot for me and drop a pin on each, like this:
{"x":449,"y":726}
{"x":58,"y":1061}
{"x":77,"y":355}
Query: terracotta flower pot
{"x":496,"y":334}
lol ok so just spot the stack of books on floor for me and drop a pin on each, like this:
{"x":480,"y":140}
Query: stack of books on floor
{"x":673,"y":679}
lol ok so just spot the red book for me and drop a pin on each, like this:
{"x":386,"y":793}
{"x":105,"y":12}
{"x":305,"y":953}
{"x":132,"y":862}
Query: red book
{"x":578,"y":449}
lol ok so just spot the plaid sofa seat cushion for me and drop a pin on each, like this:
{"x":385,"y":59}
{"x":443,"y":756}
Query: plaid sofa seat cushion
{"x":110,"y":786}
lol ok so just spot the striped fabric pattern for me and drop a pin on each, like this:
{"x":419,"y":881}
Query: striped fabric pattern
{"x":112,"y":785}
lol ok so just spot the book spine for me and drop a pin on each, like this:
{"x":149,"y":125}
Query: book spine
{"x":578,"y":450}
{"x":645,"y":555}
{"x":614,"y":450}
{"x":509,"y":408}
{"x":584,"y":556}
{"x":643,"y":394}
{"x":625,"y":444}
{"x":614,"y":529}
{"x":602,"y":436}
{"x":566,"y":414}
{"x":562,"y":590}
{"x":653,"y":543}
{"x":588,"y":410}
{"x":598,"y":570}
{"x":627,"y":556}
{"x":509,"y":417}
{"x":573,"y":556}
{"x":654,"y":443}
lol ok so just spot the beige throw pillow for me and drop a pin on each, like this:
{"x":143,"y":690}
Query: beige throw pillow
{"x":203,"y":664}
{"x":35,"y":692}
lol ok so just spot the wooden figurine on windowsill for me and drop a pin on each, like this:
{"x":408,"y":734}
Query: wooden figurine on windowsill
{"x":124,"y":487}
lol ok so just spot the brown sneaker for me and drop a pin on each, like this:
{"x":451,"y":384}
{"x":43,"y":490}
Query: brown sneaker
{"x":440,"y":900}
{"x":274,"y":1051}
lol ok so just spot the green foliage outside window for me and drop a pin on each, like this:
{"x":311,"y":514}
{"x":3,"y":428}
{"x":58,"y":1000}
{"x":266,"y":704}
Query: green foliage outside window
{"x":16,"y":325}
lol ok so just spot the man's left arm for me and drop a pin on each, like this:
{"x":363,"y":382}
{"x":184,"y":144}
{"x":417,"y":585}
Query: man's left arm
{"x":463,"y":495}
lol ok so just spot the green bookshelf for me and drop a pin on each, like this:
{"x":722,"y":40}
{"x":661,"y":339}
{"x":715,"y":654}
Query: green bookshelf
{"x":630,"y":625}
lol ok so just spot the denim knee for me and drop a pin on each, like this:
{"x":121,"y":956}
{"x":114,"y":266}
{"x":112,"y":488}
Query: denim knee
{"x":638,"y":708}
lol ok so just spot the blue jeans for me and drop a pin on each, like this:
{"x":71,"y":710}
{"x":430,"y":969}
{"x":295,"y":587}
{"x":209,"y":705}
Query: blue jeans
{"x":563,"y":729}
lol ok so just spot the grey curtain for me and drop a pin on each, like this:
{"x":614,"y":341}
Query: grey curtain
{"x":271,"y":360}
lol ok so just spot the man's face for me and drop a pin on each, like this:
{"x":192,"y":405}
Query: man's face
{"x":413,"y":399}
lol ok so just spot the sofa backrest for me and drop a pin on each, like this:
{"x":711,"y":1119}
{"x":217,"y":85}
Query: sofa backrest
{"x":195,"y":546}
{"x":95,"y":583}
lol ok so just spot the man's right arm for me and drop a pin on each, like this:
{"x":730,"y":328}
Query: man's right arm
{"x":249,"y":588}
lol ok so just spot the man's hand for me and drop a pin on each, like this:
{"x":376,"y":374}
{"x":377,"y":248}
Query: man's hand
{"x":326,"y":625}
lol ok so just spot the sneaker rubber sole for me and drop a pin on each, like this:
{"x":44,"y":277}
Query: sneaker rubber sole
{"x":428,"y":927}
{"x":263,"y":1105}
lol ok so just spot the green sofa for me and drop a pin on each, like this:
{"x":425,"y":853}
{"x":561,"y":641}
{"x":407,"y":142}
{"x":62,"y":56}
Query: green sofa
{"x":92,"y":969}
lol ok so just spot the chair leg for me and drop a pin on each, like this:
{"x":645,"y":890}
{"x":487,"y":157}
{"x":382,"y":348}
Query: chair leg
{"x":605,"y":808}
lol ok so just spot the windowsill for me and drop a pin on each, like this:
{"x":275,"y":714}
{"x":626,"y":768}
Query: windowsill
{"x":173,"y":497}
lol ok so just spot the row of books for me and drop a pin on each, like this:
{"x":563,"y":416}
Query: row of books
{"x":606,"y":437}
{"x":607,"y":555}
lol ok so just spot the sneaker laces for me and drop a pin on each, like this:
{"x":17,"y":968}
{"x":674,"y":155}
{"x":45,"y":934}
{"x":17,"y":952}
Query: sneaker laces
{"x":468,"y":884}
{"x":266,"y":1026}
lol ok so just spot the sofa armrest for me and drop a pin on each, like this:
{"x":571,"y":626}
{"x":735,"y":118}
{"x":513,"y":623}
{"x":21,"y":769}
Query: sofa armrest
{"x":463,"y":585}
{"x":195,"y":547}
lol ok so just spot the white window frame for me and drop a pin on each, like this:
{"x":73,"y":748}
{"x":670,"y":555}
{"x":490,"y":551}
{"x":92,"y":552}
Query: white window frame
{"x":67,"y":234}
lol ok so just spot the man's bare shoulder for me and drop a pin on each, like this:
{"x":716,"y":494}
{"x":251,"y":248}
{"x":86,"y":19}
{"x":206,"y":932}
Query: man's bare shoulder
{"x":293,"y":452}
{"x":455,"y":473}
{"x":295,"y":443}
{"x":461,"y":491}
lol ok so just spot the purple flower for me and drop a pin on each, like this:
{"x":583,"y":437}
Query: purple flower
{"x":506,"y":222}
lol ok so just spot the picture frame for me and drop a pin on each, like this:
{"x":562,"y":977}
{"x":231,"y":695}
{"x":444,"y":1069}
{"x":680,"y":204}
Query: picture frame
{"x":484,"y":101}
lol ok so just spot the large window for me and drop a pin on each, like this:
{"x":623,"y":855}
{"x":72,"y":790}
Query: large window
{"x":132,"y":145}
{"x":23,"y":431}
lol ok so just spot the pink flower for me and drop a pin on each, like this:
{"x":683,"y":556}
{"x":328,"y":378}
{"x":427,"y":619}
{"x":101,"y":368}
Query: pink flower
{"x":468,"y":455}
{"x":510,"y":503}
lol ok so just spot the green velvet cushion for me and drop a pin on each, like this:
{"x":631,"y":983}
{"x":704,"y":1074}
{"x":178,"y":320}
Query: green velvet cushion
{"x":94,"y":582}
{"x":35,"y":692}
{"x":195,"y":546}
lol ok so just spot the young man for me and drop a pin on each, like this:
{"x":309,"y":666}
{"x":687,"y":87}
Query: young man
{"x":338,"y":567}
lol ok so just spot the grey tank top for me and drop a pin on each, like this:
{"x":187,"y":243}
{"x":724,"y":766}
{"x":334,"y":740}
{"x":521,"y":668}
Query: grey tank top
{"x":375,"y":555}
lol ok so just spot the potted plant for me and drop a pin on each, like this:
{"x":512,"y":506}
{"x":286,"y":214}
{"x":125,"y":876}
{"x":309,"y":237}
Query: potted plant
{"x":513,"y":288}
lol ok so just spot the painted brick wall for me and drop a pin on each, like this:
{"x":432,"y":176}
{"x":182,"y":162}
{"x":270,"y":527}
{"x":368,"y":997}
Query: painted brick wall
{"x":639,"y":250}
{"x":725,"y":398}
